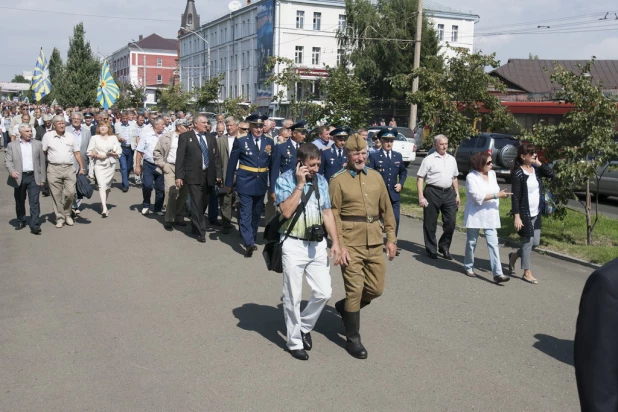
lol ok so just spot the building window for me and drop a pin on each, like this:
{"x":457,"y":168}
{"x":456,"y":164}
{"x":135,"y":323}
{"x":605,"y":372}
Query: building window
{"x":317,"y":17}
{"x":243,"y":89}
{"x":298,"y":55}
{"x":159,"y":79}
{"x":440,"y":32}
{"x":340,"y":53}
{"x":235,"y":91}
{"x":159,"y":62}
{"x":342,"y":22}
{"x":455,"y":33}
{"x":300,"y":19}
{"x":315,"y":56}
{"x":243,"y":61}
{"x":190,"y":19}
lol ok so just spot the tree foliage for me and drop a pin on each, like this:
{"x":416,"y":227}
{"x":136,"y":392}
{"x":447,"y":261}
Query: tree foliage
{"x":583,"y":140}
{"x":19,"y":78}
{"x":80,"y":78}
{"x":235,"y":106}
{"x":452,"y":99}
{"x":173,"y":98}
{"x":378,"y":41}
{"x":56,"y":70}
{"x":130,"y":96}
{"x":208,"y":93}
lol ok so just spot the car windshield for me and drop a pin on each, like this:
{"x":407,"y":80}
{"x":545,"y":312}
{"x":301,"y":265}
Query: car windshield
{"x":401,"y":137}
{"x":500,"y":143}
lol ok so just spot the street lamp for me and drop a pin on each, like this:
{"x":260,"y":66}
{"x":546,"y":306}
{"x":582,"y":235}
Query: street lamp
{"x":207,"y":44}
{"x":144,"y":54}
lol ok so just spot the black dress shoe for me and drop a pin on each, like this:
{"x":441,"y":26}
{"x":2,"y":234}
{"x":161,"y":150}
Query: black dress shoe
{"x":201,"y":239}
{"x":445,"y":254}
{"x":20,"y":226}
{"x":45,"y":194}
{"x":432,"y":255}
{"x":36,"y":231}
{"x":299,"y":354}
{"x":125,"y":189}
{"x":501,"y":278}
{"x":307,"y":343}
{"x":249,"y":251}
{"x":169,"y":226}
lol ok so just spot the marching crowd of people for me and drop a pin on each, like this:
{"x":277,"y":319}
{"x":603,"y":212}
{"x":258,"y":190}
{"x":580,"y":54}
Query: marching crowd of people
{"x":334,"y":184}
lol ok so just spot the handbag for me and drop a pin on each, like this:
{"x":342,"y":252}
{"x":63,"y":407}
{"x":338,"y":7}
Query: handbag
{"x":548,"y":206}
{"x":273,"y":250}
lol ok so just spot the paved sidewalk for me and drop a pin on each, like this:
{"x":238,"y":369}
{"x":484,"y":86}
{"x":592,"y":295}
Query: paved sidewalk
{"x":118,"y":314}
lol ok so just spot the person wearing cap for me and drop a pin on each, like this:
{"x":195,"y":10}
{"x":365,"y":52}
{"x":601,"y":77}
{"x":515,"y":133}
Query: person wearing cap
{"x":359,"y":201}
{"x":164,"y":156}
{"x":441,"y":195}
{"x":89,"y":123}
{"x":390,"y":165}
{"x":253,"y":154}
{"x":46,"y":127}
{"x":323,"y":141}
{"x":334,"y":158}
{"x":127,"y":134}
{"x":284,"y":156}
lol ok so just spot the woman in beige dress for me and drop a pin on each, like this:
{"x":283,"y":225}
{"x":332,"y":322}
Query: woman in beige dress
{"x":104,"y":149}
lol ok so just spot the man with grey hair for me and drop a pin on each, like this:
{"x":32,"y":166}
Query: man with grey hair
{"x":82,"y":135}
{"x":285,"y":132}
{"x":127,"y":134}
{"x":60,"y":170}
{"x":46,"y":127}
{"x":441,"y":194}
{"x":153,"y":176}
{"x":25,"y":162}
{"x":169,"y":126}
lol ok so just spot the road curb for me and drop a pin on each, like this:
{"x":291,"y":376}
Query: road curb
{"x":512,"y":243}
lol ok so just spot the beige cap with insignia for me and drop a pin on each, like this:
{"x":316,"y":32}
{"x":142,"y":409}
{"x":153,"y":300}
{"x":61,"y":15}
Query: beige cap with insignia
{"x":355,"y":143}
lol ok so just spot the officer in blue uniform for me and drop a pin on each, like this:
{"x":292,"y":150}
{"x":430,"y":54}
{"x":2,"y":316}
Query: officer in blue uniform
{"x":284,"y":156}
{"x":334,"y":158}
{"x":390,"y":165}
{"x":254,"y":154}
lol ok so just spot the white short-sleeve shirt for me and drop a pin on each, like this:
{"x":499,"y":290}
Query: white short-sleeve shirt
{"x":438,"y":170}
{"x":60,"y":149}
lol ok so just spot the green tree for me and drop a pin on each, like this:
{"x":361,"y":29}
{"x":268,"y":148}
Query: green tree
{"x":455,"y":99}
{"x":19,"y":78}
{"x":130,"y":96}
{"x":80,"y":79}
{"x":173,"y":98}
{"x":532,"y":56}
{"x":378,"y":41}
{"x":583,"y":140}
{"x":346,"y":101}
{"x":203,"y":96}
{"x":56,"y":70}
{"x":235,"y":106}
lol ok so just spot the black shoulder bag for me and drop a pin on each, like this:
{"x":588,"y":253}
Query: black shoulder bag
{"x":273,"y":254}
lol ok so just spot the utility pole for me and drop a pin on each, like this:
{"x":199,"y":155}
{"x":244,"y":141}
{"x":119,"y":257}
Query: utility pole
{"x":417,"y":60}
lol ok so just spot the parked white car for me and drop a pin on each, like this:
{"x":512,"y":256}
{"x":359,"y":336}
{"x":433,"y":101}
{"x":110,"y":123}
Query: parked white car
{"x":401,"y":145}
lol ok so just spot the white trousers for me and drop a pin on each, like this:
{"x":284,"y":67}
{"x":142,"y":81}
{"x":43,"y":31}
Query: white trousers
{"x":301,"y":257}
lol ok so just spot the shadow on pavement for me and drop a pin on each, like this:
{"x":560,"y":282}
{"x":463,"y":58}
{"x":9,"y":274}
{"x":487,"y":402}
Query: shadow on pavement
{"x":233,"y":240}
{"x":268,"y":321}
{"x":559,"y":349}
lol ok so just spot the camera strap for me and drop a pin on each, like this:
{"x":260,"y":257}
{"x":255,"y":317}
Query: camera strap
{"x":299,"y":210}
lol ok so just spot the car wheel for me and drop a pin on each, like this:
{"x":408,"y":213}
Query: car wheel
{"x":406,"y":164}
{"x":507,"y":156}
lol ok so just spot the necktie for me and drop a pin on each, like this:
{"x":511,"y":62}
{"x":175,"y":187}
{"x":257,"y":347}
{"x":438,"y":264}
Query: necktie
{"x":202,"y":142}
{"x":388,"y":155}
{"x":339,"y":153}
{"x":257,"y":143}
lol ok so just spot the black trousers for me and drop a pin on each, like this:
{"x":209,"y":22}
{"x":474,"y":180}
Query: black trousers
{"x":28,"y":187}
{"x":199,"y":195}
{"x":439,"y":201}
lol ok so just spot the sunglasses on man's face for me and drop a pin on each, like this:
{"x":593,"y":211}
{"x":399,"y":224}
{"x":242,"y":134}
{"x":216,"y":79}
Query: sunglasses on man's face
{"x":244,"y":129}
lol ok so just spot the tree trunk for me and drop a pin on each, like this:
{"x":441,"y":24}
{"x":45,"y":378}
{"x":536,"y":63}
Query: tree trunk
{"x":588,"y":213}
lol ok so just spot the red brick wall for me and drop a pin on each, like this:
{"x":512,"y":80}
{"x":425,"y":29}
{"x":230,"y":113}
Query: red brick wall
{"x":152,"y":70}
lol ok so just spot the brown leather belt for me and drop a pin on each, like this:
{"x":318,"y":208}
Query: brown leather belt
{"x":362,"y":219}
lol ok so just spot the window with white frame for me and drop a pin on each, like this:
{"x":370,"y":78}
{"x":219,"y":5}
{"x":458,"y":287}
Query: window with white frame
{"x":298,"y":55}
{"x":159,"y":79}
{"x":342,"y":22}
{"x":440,"y":32}
{"x":300,"y":19}
{"x":159,"y":62}
{"x":315,"y":55}
{"x":317,"y":18}
{"x":454,"y":33}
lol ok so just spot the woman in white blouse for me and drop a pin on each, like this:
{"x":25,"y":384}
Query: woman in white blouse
{"x":482,"y":212}
{"x":104,"y":149}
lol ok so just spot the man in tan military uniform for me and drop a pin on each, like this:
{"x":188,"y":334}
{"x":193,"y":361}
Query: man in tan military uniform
{"x":359,"y":200}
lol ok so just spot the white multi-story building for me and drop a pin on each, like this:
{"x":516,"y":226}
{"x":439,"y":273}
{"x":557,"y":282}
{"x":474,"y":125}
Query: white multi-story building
{"x":239,"y":44}
{"x":453,"y":27}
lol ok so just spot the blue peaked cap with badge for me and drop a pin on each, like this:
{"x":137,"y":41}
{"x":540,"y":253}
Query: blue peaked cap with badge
{"x":299,"y":126}
{"x":340,"y":131}
{"x":387,"y":133}
{"x":256,"y":118}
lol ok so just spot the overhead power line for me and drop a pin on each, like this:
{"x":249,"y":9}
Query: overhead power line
{"x":535,"y":22}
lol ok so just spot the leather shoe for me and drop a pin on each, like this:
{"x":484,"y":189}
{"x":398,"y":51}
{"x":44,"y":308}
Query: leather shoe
{"x":307,"y":343}
{"x":201,"y":239}
{"x":169,"y":226}
{"x":445,"y":254}
{"x":36,"y":231}
{"x":501,"y":278}
{"x":20,"y":226}
{"x":299,"y":354}
{"x":249,"y":251}
{"x":125,"y":189}
{"x":432,"y":255}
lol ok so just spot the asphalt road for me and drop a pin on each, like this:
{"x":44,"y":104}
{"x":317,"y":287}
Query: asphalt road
{"x":118,"y":314}
{"x":607,"y":207}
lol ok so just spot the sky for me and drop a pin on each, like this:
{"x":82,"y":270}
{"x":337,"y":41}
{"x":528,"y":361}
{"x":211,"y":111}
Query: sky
{"x":29,"y":25}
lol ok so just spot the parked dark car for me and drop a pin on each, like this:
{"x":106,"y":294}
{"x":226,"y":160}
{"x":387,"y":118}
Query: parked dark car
{"x":607,"y":177}
{"x":503,"y":149}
